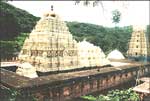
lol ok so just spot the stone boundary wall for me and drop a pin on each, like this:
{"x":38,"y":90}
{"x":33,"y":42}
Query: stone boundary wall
{"x":62,"y":87}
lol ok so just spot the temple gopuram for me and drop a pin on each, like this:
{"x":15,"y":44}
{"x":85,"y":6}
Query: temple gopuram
{"x":139,"y":47}
{"x":51,"y":47}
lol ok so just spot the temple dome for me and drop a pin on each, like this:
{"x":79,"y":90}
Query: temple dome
{"x":115,"y":54}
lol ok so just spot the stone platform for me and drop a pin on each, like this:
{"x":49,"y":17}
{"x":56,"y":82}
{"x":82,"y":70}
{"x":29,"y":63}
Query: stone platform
{"x":62,"y":86}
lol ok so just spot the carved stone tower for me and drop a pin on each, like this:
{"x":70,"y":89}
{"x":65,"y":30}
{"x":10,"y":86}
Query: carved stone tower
{"x":138,"y":45}
{"x":50,"y":46}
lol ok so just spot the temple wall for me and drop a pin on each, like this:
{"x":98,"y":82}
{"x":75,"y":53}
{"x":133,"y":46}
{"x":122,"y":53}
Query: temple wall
{"x":65,"y":87}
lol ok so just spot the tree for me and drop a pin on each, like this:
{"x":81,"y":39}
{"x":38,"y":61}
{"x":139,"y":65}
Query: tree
{"x":116,"y":15}
{"x":124,"y":4}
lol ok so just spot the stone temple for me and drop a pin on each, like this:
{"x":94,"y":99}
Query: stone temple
{"x":139,"y":47}
{"x":51,"y":47}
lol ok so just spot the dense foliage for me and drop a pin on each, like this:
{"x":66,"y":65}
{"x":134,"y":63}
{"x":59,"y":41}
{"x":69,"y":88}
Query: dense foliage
{"x":107,"y":38}
{"x":115,"y":95}
{"x":8,"y":49}
{"x":9,"y":26}
{"x":13,"y":21}
{"x":12,"y":47}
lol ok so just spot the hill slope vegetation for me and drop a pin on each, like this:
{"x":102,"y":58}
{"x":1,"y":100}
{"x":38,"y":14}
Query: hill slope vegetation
{"x":14,"y":21}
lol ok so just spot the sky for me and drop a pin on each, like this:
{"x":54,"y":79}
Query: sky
{"x":133,"y":12}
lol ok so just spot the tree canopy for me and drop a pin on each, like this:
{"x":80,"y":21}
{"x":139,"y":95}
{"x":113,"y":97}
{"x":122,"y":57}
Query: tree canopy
{"x":106,"y":38}
{"x":116,"y":15}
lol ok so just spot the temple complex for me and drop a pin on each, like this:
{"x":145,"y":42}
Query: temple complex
{"x":51,"y":47}
{"x":139,"y":45}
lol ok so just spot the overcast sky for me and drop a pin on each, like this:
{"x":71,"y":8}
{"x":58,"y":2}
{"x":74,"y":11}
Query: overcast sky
{"x":133,"y":12}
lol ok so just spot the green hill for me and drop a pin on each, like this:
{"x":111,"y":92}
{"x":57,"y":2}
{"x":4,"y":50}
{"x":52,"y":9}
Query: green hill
{"x":107,"y":38}
{"x":14,"y":21}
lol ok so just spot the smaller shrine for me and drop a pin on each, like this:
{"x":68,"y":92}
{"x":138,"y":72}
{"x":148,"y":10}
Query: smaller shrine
{"x":90,"y":55}
{"x":27,"y":70}
{"x":115,"y":54}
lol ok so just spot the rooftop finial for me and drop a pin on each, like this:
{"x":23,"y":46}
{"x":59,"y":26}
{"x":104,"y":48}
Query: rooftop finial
{"x":52,"y":8}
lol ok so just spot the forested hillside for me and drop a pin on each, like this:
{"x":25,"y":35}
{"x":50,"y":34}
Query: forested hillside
{"x":107,"y":38}
{"x":16,"y":24}
{"x":14,"y":21}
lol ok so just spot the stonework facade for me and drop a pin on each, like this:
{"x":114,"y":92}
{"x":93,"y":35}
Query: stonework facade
{"x":138,"y":45}
{"x":51,"y":47}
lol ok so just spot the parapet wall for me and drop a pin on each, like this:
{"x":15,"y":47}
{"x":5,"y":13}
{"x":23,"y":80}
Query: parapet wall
{"x":60,"y":87}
